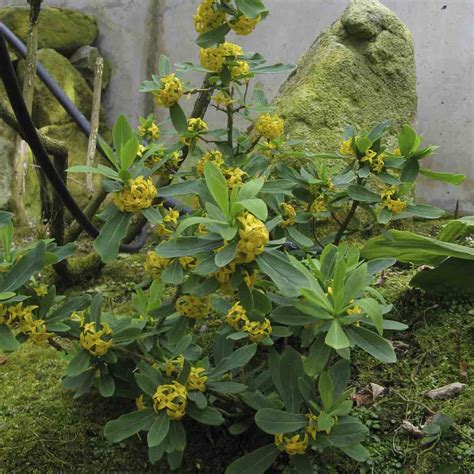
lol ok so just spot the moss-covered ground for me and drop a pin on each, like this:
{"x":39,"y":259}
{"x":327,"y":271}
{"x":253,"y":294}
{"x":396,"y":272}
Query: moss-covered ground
{"x":42,"y":429}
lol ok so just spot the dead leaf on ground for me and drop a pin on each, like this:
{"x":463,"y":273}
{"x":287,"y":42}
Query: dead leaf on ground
{"x":3,"y":360}
{"x":463,"y":371}
{"x":367,"y":396}
{"x":443,"y":393}
{"x":411,"y":429}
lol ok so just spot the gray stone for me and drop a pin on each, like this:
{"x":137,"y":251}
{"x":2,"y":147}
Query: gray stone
{"x":360,"y":71}
{"x":84,"y":60}
{"x":62,"y":29}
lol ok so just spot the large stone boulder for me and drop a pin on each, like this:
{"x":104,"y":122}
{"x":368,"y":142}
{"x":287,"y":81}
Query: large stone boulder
{"x":360,"y":71}
{"x":61,"y":29}
{"x":85,"y":59}
{"x":46,"y":108}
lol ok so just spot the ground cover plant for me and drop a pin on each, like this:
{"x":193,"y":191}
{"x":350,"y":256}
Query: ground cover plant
{"x":249,"y":255}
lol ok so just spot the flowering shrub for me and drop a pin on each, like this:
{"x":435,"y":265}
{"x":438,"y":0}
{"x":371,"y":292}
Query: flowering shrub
{"x":287,"y":306}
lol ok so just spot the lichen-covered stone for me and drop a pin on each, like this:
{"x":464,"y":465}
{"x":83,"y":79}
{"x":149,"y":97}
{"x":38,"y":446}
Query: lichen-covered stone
{"x":7,"y":148}
{"x":62,"y":29}
{"x":46,"y":108}
{"x":84,"y":60}
{"x":360,"y":71}
{"x":76,"y":143}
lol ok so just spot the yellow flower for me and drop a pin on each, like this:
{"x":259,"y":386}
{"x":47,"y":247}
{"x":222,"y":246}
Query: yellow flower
{"x":379,"y":163}
{"x":388,"y":192}
{"x":154,"y":159}
{"x":155,"y":264}
{"x":172,"y":398}
{"x":41,"y":290}
{"x":163,"y":231}
{"x":257,"y":330}
{"x":196,"y":379}
{"x":141,"y":150}
{"x":172,"y":216}
{"x":292,"y":446}
{"x":171,"y":92}
{"x":154,"y":131}
{"x":311,"y":428}
{"x":197,"y":125}
{"x":138,"y":194}
{"x":187,"y":262}
{"x":244,"y":25}
{"x":174,"y":366}
{"x":250,"y":278}
{"x":346,"y":148}
{"x":215,"y":57}
{"x":397,"y":206}
{"x":253,"y":237}
{"x":78,"y":316}
{"x":4,"y":316}
{"x":224,"y":274}
{"x":237,"y":316}
{"x":140,"y":403}
{"x":239,"y":69}
{"x":215,"y":157}
{"x":17,"y":314}
{"x":34,"y":329}
{"x":318,"y":205}
{"x":369,"y":156}
{"x":207,"y":17}
{"x":269,"y":126}
{"x":234,"y":176}
{"x":92,"y":340}
{"x":397,"y":152}
{"x":290,"y":213}
{"x":222,"y":98}
{"x":193,"y":307}
{"x":330,"y":290}
{"x":354,"y":310}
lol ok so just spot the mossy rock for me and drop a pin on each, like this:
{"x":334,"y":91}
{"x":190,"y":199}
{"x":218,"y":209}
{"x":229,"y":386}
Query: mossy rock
{"x":76,"y":143}
{"x":62,"y":29}
{"x":360,"y":71}
{"x":46,"y":108}
{"x":7,"y":149}
{"x":85,"y":59}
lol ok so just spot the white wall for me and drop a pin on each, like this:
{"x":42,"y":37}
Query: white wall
{"x":133,"y":34}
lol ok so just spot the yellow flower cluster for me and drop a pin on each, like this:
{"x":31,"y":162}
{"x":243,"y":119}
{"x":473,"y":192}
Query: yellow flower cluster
{"x":92,"y":340}
{"x":238,"y":319}
{"x":35,"y":329}
{"x":222,"y":98}
{"x":155,"y":158}
{"x":138,"y":194}
{"x":213,"y":156}
{"x":290,"y":213}
{"x":172,"y":398}
{"x":155,"y":264}
{"x":253,"y":237}
{"x":21,"y":317}
{"x":197,"y":125}
{"x":224,"y":274}
{"x":41,"y":290}
{"x":312,"y":426}
{"x":397,"y":206}
{"x":171,"y":216}
{"x":346,"y":148}
{"x":207,"y":17}
{"x":240,"y":70}
{"x":171,"y":91}
{"x":234,"y":177}
{"x":269,"y":126}
{"x":376,"y":161}
{"x":318,"y":205}
{"x":174,"y":366}
{"x":215,"y":57}
{"x":196,"y":379}
{"x":149,"y":131}
{"x":244,"y":25}
{"x":292,"y":446}
{"x":193,"y":307}
{"x":369,"y":156}
{"x":355,"y":310}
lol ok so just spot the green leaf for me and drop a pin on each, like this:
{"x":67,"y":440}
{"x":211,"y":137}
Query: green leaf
{"x":257,"y":207}
{"x":164,"y":65}
{"x":302,"y":464}
{"x":79,"y":363}
{"x":291,"y":369}
{"x":208,"y":416}
{"x":177,"y":435}
{"x":362,"y":194}
{"x":217,"y":185}
{"x":410,"y":171}
{"x":180,"y":189}
{"x":355,"y":283}
{"x":104,"y":171}
{"x":372,"y":343}
{"x":250,"y":8}
{"x":187,"y":247}
{"x":250,"y":189}
{"x":226,"y":255}
{"x":237,"y":359}
{"x":128,"y":153}
{"x":423,"y":210}
{"x":407,"y":140}
{"x":347,"y":432}
{"x":256,"y":462}
{"x":129,"y":424}
{"x":210,"y":38}
{"x":152,"y":215}
{"x":325,"y":388}
{"x":318,"y":356}
{"x":24,"y":269}
{"x":298,"y":238}
{"x":121,"y":133}
{"x":106,"y":385}
{"x":173,"y":274}
{"x":325,"y":422}
{"x":8,"y":342}
{"x":108,"y":242}
{"x":451,"y":178}
{"x":336,"y":337}
{"x":159,"y":429}
{"x":273,"y":421}
{"x":178,"y":118}
{"x":356,"y":452}
{"x":372,"y":308}
{"x":273,"y":69}
{"x":412,"y":248}
{"x":226,"y":387}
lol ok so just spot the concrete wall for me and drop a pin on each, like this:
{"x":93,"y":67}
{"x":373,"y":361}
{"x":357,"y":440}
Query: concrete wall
{"x":134,"y":32}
